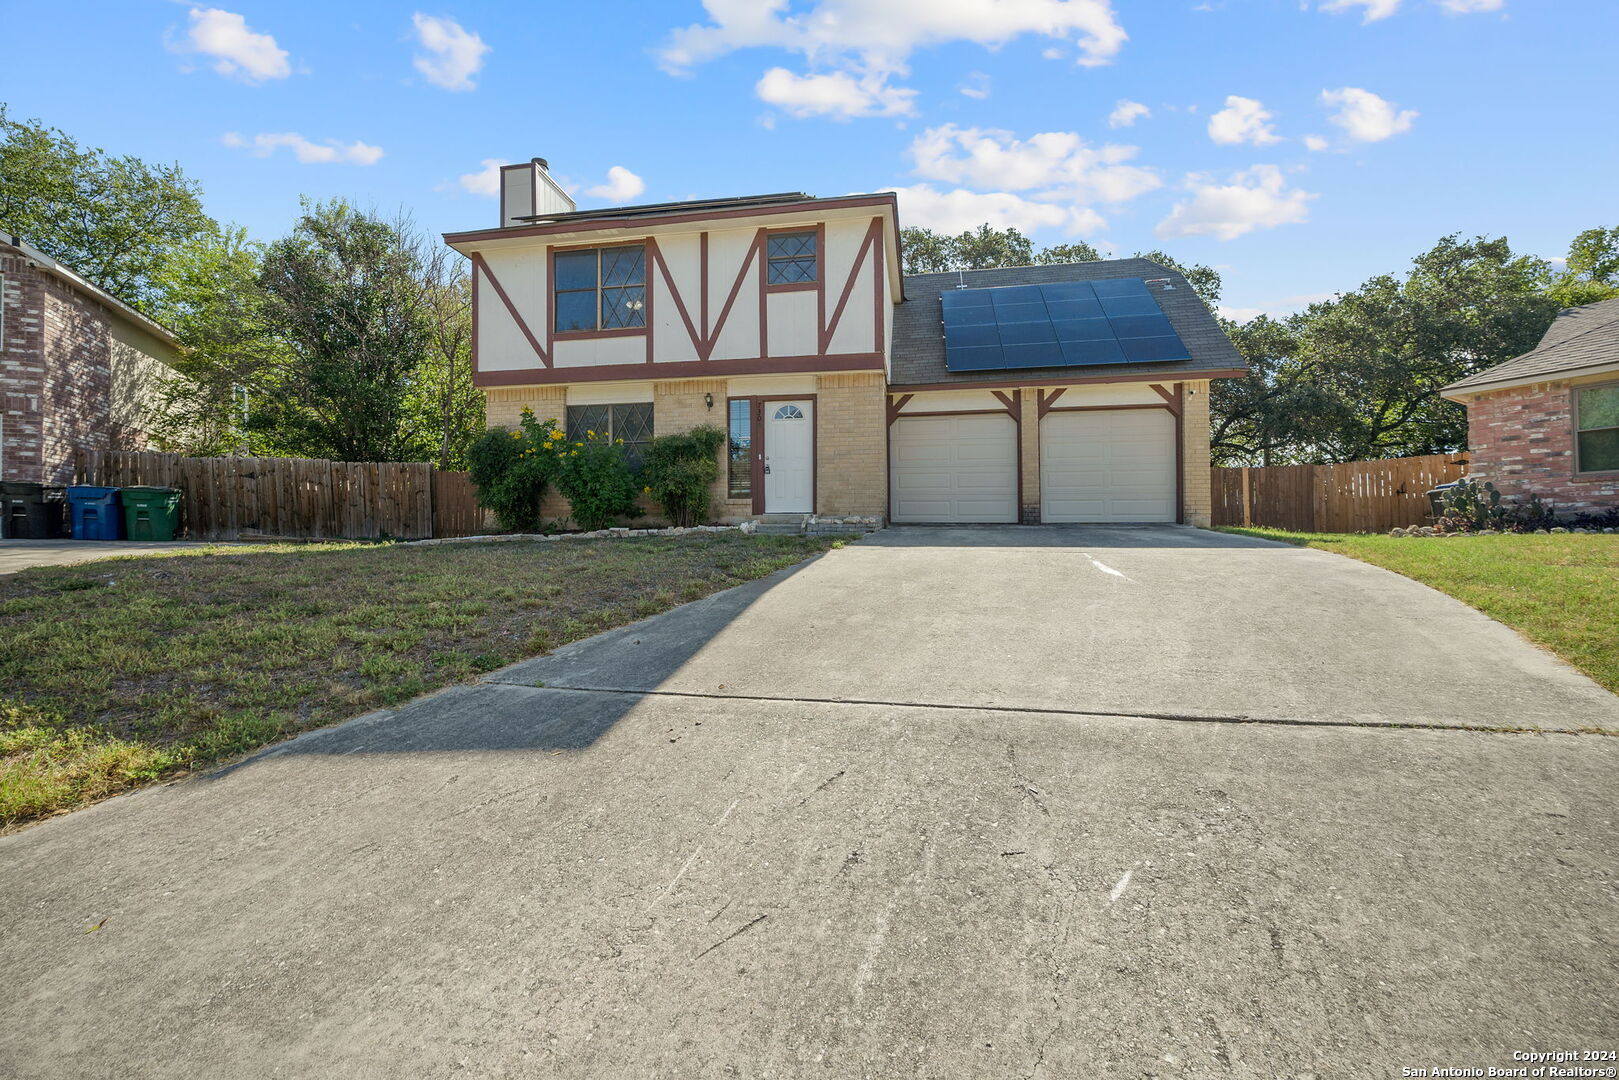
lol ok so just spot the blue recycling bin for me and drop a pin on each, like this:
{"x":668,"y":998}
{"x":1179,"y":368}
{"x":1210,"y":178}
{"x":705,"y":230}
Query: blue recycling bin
{"x":95,"y":511}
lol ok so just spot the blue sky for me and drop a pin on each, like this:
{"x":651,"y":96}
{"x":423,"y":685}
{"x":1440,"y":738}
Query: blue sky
{"x":1299,"y":145}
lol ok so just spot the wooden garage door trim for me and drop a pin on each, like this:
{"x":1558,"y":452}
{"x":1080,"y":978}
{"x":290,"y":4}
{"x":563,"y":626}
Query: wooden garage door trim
{"x":1014,"y":492}
{"x":1177,"y":494}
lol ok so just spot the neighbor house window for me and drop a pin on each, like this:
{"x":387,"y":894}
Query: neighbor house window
{"x":791,"y":258}
{"x":1596,"y":411}
{"x":599,"y":289}
{"x":740,"y":451}
{"x":632,"y":423}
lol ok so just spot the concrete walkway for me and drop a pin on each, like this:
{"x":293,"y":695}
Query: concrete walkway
{"x":1043,"y":842}
{"x":18,"y":555}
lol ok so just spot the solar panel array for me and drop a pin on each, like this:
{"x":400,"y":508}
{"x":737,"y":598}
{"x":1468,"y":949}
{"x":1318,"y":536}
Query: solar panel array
{"x":1062,"y":324}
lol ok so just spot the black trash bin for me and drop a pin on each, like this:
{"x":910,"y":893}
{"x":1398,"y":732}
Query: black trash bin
{"x":30,"y":511}
{"x":1436,"y":498}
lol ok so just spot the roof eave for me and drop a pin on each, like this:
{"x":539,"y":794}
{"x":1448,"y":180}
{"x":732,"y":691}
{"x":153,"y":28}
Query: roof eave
{"x":55,"y":269}
{"x":1460,"y":391}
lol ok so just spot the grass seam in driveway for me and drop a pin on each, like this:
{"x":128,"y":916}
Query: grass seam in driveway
{"x":1560,"y":591}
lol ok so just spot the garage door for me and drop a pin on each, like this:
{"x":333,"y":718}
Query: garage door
{"x":954,"y":469}
{"x":1107,"y":465}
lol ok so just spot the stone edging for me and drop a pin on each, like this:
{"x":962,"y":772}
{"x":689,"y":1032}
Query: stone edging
{"x":599,"y":534}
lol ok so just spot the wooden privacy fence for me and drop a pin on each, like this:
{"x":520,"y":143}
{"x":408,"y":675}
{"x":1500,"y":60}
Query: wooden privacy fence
{"x":1356,"y":496}
{"x":225,"y":498}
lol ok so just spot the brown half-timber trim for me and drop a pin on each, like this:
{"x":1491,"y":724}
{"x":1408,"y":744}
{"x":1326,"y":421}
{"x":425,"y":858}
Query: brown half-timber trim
{"x":479,"y":264}
{"x":1043,"y":403}
{"x":810,"y":206}
{"x":867,"y":243}
{"x":1007,"y":384}
{"x":1180,"y":452}
{"x":1014,"y":409}
{"x":1108,"y":408}
{"x":681,"y":369}
{"x":894,"y":406}
{"x":1174,"y":399}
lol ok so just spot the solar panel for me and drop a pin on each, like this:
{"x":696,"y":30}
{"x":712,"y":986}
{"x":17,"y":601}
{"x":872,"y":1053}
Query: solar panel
{"x":1061,"y":324}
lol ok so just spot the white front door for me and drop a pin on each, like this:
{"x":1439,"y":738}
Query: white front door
{"x":789,"y":457}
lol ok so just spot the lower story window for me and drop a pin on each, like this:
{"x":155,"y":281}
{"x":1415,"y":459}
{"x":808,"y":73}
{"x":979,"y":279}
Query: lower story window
{"x":740,"y":451}
{"x":631,"y":423}
{"x":1598,"y":434}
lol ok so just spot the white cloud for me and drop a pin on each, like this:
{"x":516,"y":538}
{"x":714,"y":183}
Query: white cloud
{"x":486,"y":181}
{"x":838,"y":95}
{"x":453,"y":54}
{"x":239,"y":52}
{"x":1243,"y":120}
{"x":1364,"y":116}
{"x":1256,"y":198}
{"x":1059,"y":163}
{"x":307,"y":152}
{"x":867,"y":43}
{"x":1126,"y":113}
{"x":621,"y":186}
{"x":883,"y":33}
{"x":976,"y":87}
{"x":1470,"y":7}
{"x":958,"y":210}
{"x":1315,"y":142}
{"x":1374,"y":9}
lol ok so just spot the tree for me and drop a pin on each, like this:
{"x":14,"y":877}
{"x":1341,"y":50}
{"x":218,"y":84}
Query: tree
{"x":445,"y":398}
{"x":346,"y":295}
{"x":114,"y":220}
{"x":1592,"y":273}
{"x":928,"y":252}
{"x":1358,"y":377}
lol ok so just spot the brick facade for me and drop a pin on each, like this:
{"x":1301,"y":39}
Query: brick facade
{"x":1522,"y":440}
{"x":72,"y":374}
{"x":1197,"y":489}
{"x":851,"y":460}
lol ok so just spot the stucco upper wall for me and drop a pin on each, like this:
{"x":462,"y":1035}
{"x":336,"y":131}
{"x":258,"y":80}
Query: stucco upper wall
{"x":709,"y":308}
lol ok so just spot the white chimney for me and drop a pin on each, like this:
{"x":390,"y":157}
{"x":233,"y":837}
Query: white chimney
{"x":527,"y":190}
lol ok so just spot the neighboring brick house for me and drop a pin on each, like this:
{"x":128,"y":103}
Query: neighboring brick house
{"x":78,"y":367}
{"x":1049,"y":393}
{"x":1547,"y":423}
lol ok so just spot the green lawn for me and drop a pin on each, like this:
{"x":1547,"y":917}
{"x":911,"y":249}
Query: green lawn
{"x":122,"y":672}
{"x":1559,"y":591}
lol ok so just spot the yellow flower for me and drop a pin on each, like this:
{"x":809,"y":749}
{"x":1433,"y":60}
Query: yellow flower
{"x":646,"y":491}
{"x":618,"y":442}
{"x":591,"y":434}
{"x":517,"y":434}
{"x":579,"y":444}
{"x":574,"y":453}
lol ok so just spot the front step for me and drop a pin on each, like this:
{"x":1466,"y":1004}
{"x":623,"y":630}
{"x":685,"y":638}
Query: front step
{"x":813,"y":525}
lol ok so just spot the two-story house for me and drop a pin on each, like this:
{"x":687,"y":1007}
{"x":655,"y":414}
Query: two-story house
{"x":1064,"y":393}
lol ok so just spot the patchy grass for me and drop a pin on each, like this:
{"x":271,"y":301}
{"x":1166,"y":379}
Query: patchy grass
{"x":1560,"y":591}
{"x":121,"y":672}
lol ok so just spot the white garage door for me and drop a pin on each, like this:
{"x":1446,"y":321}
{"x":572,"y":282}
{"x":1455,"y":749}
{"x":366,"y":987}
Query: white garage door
{"x":1107,"y":465}
{"x":954,"y":469}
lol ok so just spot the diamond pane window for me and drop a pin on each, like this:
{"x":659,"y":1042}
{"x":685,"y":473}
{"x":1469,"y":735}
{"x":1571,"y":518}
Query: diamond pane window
{"x":791,"y":258}
{"x":599,"y":289}
{"x":631,"y":423}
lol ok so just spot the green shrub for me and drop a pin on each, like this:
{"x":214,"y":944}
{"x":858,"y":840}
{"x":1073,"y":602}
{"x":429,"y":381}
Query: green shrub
{"x":679,"y":472}
{"x":594,"y":475}
{"x":1470,"y":506}
{"x":511,"y":470}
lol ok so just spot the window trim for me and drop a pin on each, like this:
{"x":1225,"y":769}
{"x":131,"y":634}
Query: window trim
{"x":819,"y":231}
{"x":598,"y":332}
{"x":1574,"y":390}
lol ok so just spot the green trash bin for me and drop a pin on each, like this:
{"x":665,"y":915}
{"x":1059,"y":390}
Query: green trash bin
{"x":150,"y":513}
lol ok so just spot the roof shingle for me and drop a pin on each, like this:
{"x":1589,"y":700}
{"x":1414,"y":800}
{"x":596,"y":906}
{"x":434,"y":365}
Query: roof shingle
{"x":1582,"y":337}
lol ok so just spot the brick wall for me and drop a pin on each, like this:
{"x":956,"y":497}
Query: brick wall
{"x":1197,"y":481}
{"x":503,"y":407}
{"x":1029,"y":454}
{"x":1522,"y":440}
{"x":851,"y":436}
{"x":678,"y":405}
{"x":59,"y":363}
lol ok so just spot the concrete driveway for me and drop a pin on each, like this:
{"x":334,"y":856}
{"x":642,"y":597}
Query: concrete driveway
{"x":18,"y":555}
{"x":1056,"y":802}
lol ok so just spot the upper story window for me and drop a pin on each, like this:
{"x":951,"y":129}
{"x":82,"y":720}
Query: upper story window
{"x":599,"y":289}
{"x":790,"y":258}
{"x":1597,"y":429}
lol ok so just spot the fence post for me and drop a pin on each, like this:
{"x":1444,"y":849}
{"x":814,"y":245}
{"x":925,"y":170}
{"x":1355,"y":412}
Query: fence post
{"x":1247,"y":500}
